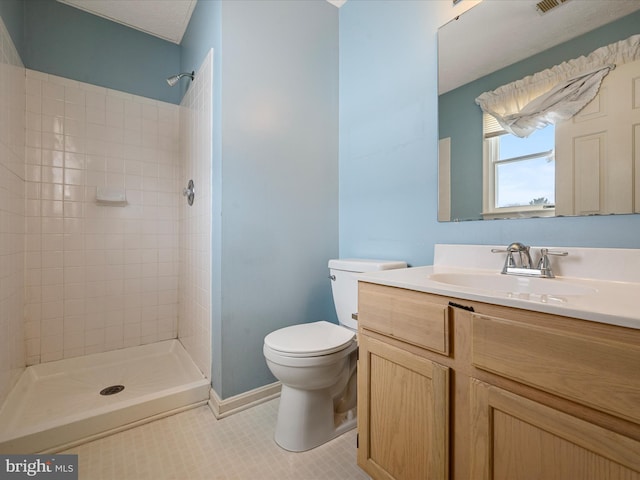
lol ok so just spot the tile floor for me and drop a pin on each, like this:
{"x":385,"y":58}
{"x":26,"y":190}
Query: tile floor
{"x":194,"y":445}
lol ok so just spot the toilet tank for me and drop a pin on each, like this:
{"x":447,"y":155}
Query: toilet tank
{"x":344,"y":284}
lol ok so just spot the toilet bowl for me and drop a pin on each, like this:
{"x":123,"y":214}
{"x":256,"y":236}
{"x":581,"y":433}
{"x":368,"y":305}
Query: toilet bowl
{"x":316,"y":364}
{"x":313,"y":385}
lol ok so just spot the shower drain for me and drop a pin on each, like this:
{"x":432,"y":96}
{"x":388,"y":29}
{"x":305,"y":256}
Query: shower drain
{"x":112,"y":390}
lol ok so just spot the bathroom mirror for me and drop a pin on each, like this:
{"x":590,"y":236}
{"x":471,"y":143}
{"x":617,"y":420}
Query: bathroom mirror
{"x":498,"y":42}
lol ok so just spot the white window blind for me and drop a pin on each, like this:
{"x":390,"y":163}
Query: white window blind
{"x":491,"y":127}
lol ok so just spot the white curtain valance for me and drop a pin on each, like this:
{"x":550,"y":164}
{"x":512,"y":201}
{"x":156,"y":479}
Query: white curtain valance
{"x":557,"y":93}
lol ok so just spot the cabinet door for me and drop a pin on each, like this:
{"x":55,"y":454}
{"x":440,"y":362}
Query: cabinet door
{"x":514,"y":438}
{"x":403,"y":414}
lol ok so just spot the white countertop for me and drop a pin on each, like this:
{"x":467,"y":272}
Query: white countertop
{"x":613,"y":301}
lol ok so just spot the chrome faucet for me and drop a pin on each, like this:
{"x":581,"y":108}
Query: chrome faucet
{"x":524,"y":265}
{"x":523,"y":252}
{"x":510,"y":262}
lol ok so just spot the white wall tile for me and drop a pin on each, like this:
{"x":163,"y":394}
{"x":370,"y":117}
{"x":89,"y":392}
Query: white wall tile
{"x":14,"y":350}
{"x":194,"y":326}
{"x":98,"y":278}
{"x":81,"y":278}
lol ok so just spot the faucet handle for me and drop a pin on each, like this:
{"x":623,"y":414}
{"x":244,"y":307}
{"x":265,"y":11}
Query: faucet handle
{"x":544,"y":252}
{"x":544,"y":265}
{"x":559,"y":253}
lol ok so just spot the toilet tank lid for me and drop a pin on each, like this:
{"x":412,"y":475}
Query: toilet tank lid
{"x":364,"y":265}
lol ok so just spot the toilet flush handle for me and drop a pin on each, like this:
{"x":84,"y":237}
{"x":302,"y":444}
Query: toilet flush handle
{"x":332,"y":277}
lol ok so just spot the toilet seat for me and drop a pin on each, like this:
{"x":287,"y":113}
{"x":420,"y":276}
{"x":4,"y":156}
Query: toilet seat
{"x":283,"y":359}
{"x":309,"y":340}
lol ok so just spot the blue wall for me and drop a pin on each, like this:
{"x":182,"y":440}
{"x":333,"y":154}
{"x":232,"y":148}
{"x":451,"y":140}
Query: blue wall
{"x":275,"y":171}
{"x":461,"y":119}
{"x":389,"y":149}
{"x":64,"y":41}
{"x":387,"y":130}
{"x":12,"y":14}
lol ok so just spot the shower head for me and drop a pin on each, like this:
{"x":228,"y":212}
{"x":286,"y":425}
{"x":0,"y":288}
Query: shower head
{"x":173,"y":79}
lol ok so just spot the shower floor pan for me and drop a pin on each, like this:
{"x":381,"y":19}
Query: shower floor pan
{"x":58,"y":404}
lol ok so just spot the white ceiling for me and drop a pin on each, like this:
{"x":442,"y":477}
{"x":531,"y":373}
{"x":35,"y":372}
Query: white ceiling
{"x":498,"y":33}
{"x":167,"y":19}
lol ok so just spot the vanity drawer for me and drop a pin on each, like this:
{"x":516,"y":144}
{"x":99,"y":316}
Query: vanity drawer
{"x":587,"y":369}
{"x":406,"y":315}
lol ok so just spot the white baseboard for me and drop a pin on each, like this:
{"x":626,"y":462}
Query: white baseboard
{"x":229,"y":406}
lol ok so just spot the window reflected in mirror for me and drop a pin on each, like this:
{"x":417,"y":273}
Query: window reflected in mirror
{"x":588,"y":164}
{"x":519,"y":172}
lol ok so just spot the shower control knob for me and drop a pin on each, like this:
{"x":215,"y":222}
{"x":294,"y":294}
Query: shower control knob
{"x":189,"y":192}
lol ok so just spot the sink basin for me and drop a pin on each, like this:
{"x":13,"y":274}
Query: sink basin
{"x":513,"y":284}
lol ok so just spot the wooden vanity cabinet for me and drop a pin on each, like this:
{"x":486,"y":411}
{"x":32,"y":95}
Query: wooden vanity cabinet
{"x":496,"y":393}
{"x":516,"y":438}
{"x":407,"y":403}
{"x":403,"y":397}
{"x":591,"y":370}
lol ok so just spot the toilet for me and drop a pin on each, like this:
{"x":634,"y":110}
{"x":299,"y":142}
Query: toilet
{"x":316,"y":364}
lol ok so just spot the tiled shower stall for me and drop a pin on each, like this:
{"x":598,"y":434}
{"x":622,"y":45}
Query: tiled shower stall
{"x":77,"y":277}
{"x":98,"y":277}
{"x":194,"y":239}
{"x":12,"y":213}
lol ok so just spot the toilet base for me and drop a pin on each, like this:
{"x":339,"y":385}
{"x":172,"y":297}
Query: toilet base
{"x":306,"y":419}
